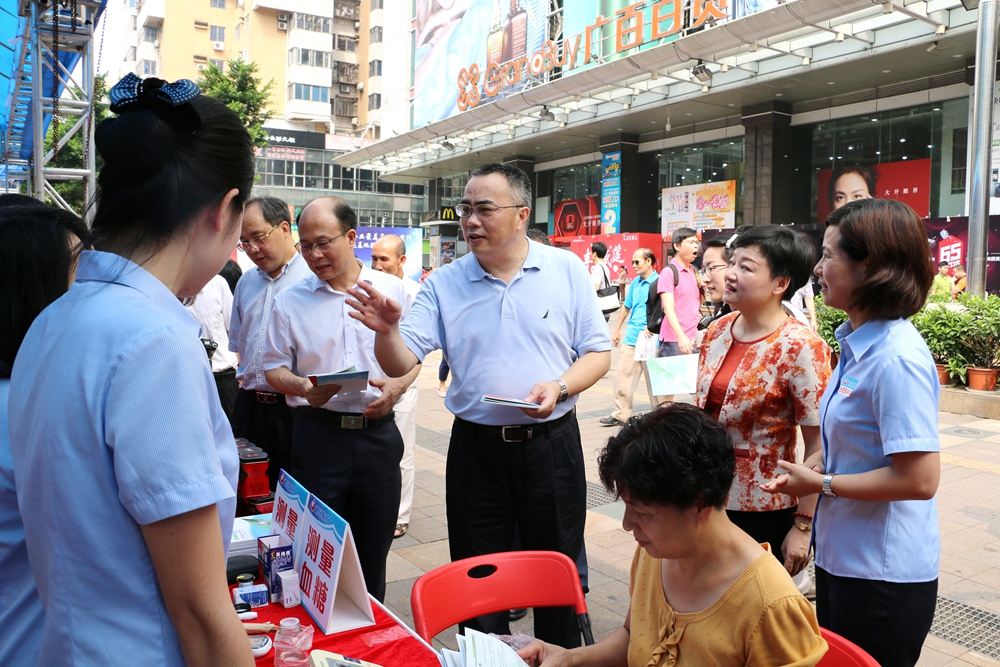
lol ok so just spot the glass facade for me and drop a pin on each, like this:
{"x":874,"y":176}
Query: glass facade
{"x":576,"y":182}
{"x":298,"y":175}
{"x":709,"y":162}
{"x":883,"y":141}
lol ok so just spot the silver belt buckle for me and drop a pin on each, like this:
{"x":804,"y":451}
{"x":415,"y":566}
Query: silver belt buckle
{"x":503,"y":434}
{"x":352,"y":422}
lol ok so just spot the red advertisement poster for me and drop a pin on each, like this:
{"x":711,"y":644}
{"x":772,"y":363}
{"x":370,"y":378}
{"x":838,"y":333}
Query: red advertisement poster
{"x":578,"y":217}
{"x":621,"y":247}
{"x":948,"y":239}
{"x":908,"y":181}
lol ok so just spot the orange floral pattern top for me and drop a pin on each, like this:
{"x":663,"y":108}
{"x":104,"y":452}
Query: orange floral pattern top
{"x":777,"y":386}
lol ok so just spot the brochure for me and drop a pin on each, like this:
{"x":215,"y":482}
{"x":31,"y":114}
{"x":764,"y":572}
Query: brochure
{"x":350,"y":380}
{"x":494,"y":399}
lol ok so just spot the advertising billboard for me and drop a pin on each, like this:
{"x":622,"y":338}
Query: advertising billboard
{"x":909,"y":181}
{"x":621,"y":247}
{"x":611,"y":191}
{"x":702,"y":206}
{"x":467,"y":52}
{"x":577,"y":217}
{"x":948,"y":239}
{"x":412,"y":237}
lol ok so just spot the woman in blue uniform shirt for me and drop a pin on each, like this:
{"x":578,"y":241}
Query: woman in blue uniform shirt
{"x":877,"y":540}
{"x":125,"y":463}
{"x":39,"y":246}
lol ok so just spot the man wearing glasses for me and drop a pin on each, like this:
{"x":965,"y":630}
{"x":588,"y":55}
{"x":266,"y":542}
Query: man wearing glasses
{"x":521,"y":320}
{"x":346,"y":448}
{"x":261,"y":415}
{"x":633,"y":311}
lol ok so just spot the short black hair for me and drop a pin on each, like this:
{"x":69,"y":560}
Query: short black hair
{"x":535,"y":234}
{"x":35,"y":264}
{"x":15,"y":199}
{"x":724,"y":241}
{"x":232,"y":272}
{"x":520,"y":184}
{"x":787,"y":253}
{"x":674,"y":456}
{"x":274,"y":210}
{"x":681,"y":235}
{"x":940,"y":264}
{"x":599,"y":249}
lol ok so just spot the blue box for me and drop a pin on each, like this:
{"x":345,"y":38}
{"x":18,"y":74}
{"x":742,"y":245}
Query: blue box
{"x":273,"y":559}
{"x":255,"y":596}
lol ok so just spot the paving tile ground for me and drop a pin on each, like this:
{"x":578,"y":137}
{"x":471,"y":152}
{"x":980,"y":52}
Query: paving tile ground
{"x":969,"y":511}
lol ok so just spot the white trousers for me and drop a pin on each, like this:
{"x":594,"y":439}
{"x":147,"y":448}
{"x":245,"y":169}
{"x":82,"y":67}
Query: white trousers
{"x":406,"y":422}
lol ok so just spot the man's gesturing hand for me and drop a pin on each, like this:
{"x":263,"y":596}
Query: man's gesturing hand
{"x":373,"y":309}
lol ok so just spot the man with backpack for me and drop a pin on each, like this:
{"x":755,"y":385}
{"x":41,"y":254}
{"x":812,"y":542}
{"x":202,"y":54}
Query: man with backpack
{"x":680,"y":298}
{"x":633,"y":311}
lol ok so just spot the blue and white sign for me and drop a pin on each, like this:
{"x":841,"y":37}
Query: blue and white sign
{"x":611,"y":192}
{"x":412,"y":237}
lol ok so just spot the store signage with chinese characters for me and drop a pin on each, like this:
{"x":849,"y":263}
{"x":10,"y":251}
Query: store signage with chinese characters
{"x":621,"y":247}
{"x":702,"y":206}
{"x":412,"y":237}
{"x":331,"y":583}
{"x":298,"y":138}
{"x":577,"y":217}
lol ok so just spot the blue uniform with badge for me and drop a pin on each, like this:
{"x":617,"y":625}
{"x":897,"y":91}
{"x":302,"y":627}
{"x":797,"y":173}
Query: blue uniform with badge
{"x":115,"y":423}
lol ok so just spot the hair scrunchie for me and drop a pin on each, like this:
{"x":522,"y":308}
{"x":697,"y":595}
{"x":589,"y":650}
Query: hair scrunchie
{"x":152,"y":116}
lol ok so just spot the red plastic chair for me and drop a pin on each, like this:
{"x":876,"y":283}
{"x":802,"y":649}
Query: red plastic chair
{"x":471,"y":587}
{"x":844,"y":653}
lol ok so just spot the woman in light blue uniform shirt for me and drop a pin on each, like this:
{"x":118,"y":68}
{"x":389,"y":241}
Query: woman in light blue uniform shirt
{"x":877,"y":541}
{"x":39,"y":246}
{"x":125,"y":463}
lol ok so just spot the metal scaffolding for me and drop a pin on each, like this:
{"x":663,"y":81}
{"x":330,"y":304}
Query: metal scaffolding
{"x":56,"y":42}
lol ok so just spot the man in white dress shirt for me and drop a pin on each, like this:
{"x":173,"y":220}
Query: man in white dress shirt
{"x":261,"y":415}
{"x":389,"y":256}
{"x":346,"y":448}
{"x":211,"y":307}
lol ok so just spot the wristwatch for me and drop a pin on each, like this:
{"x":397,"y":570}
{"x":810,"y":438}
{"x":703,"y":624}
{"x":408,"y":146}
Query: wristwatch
{"x":803,"y":526}
{"x":827,"y":491}
{"x":563,"y":390}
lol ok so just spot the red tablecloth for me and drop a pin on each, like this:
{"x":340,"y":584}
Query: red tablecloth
{"x":403,"y":651}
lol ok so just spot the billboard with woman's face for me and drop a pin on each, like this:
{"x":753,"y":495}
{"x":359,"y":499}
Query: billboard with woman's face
{"x":909,"y":181}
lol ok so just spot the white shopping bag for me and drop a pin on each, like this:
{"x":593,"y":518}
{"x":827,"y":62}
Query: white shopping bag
{"x":646,"y":345}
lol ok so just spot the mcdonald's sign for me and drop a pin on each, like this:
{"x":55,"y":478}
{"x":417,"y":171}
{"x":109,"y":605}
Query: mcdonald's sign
{"x":448,"y":213}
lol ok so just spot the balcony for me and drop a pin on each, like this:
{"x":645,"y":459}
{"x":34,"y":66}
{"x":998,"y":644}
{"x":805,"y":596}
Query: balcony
{"x":152,"y":12}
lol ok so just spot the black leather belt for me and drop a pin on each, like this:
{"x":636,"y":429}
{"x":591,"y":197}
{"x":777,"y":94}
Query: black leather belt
{"x":519,"y":432}
{"x":351,"y":420}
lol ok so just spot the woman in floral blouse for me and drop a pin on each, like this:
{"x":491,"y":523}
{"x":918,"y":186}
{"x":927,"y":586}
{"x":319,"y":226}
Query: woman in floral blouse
{"x":761,"y":374}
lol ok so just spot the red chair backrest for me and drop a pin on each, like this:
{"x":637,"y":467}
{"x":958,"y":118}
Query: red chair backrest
{"x":480,"y":585}
{"x":844,"y":653}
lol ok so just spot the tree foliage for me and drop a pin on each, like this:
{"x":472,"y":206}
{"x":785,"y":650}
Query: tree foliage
{"x":240,"y":89}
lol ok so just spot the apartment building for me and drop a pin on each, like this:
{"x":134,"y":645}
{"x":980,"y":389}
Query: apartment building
{"x":325,"y":58}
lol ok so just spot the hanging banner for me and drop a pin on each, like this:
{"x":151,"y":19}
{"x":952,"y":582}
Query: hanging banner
{"x":703,"y":206}
{"x":412,"y":237}
{"x":577,"y":217}
{"x":611,"y":192}
{"x":621,"y":247}
{"x":330,"y":579}
{"x":908,"y":181}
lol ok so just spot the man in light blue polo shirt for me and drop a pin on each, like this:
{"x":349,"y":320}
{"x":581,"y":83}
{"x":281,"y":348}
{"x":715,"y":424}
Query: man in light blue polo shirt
{"x":633,"y":311}
{"x":521,"y":320}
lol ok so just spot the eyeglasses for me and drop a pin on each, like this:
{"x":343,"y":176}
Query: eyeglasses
{"x":319,"y":246}
{"x":255,"y":242}
{"x":709,"y":270}
{"x":483,"y":211}
{"x":637,"y":262}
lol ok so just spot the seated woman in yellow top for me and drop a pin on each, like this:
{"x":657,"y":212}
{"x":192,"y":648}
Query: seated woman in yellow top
{"x":703,"y":591}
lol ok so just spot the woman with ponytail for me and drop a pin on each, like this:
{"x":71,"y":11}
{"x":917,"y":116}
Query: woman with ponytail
{"x":125,"y":462}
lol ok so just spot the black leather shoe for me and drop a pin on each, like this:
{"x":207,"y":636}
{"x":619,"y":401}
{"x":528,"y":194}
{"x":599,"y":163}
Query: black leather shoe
{"x":518,"y":614}
{"x":611,"y":421}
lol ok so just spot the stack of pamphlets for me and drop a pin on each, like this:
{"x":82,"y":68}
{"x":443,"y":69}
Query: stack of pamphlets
{"x":246,"y":530}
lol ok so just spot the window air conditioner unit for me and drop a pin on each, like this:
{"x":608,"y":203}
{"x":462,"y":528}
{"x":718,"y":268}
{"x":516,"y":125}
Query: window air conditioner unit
{"x":219,"y":46}
{"x":361,"y":86}
{"x":202,"y":67}
{"x":282,"y":25}
{"x":156,"y":44}
{"x":357,"y":25}
{"x":354,"y":121}
{"x":282,"y":16}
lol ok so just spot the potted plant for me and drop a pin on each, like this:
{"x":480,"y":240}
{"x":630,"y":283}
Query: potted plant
{"x":938,"y":324}
{"x":827,"y":321}
{"x":979,"y":336}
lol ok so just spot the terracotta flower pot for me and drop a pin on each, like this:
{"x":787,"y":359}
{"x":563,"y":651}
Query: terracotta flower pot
{"x":983,"y":379}
{"x":944,"y":377}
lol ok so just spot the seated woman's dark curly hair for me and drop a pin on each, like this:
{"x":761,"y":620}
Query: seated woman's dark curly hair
{"x":674,"y":456}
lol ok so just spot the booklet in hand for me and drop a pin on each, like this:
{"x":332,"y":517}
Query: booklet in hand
{"x":476,"y":649}
{"x":494,"y":399}
{"x":350,"y":380}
